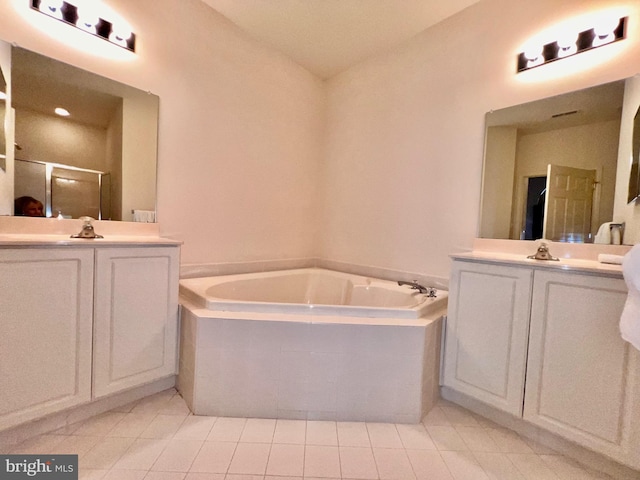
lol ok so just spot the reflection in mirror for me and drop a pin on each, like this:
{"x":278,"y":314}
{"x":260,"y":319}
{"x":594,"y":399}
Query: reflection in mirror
{"x":634,"y":177}
{"x":99,"y":161}
{"x":550,"y":166}
{"x":3,"y":109}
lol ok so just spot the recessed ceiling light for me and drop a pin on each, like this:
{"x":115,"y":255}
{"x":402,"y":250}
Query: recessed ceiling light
{"x":62,"y":112}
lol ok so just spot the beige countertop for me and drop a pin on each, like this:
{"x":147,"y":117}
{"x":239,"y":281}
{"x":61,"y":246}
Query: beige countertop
{"x":579,"y":264}
{"x":569,"y":264}
{"x":52,"y":232}
{"x":55,"y":240}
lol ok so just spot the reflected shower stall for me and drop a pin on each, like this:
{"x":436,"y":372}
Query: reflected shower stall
{"x":65,"y":191}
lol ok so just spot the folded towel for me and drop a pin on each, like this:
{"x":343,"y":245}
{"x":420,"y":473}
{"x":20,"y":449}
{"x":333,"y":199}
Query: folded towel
{"x":608,"y":258}
{"x":604,"y":234}
{"x":144,"y":216}
{"x":630,"y":318}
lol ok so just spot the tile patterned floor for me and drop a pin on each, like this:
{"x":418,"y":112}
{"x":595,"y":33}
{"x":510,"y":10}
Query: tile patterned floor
{"x":157,"y":438}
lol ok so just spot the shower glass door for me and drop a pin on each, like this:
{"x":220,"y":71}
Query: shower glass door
{"x":65,"y":191}
{"x":75,"y":193}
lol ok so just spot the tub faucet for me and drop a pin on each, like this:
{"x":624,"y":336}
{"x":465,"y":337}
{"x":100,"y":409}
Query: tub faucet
{"x":429,"y":291}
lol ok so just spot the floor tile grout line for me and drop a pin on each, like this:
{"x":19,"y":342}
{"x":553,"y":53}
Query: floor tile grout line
{"x":474,"y":453}
{"x":371,"y":448}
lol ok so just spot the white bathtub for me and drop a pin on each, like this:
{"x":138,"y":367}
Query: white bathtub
{"x":309,"y":344}
{"x":310,"y":291}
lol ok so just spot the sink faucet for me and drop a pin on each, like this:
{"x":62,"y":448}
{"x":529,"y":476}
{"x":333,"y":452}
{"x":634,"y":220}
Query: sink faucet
{"x":87,"y":229}
{"x":543,"y":253}
{"x":430,"y":291}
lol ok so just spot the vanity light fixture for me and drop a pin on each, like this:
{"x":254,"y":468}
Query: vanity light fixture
{"x":87,"y":18}
{"x":571,"y":43}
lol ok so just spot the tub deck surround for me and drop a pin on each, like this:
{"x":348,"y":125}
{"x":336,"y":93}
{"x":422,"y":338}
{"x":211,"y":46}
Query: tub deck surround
{"x":200,"y":270}
{"x":308,"y":365}
{"x":310,"y":291}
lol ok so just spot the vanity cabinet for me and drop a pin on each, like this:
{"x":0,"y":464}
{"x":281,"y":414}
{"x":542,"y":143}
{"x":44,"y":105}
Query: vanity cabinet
{"x":544,"y":345}
{"x":580,"y":373}
{"x":81,"y":323}
{"x":135,"y":329}
{"x":487,"y":332}
{"x":46,"y":301}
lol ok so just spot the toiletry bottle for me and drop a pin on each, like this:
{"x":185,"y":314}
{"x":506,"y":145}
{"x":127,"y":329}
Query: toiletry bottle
{"x":616,"y":233}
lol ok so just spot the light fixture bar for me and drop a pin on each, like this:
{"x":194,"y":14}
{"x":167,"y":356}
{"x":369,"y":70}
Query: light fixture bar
{"x":90,"y":23}
{"x":571,"y":45}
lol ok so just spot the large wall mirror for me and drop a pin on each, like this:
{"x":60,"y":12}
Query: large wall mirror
{"x":99,"y":160}
{"x":550,"y":166}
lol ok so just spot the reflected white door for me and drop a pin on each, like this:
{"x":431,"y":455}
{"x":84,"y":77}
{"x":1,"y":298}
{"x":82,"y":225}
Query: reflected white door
{"x":567,"y":214}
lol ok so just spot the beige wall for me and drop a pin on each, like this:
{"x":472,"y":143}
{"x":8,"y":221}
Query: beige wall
{"x":114,"y":164}
{"x":402,"y":172}
{"x":48,"y":138}
{"x":139,"y":150}
{"x":499,"y":166}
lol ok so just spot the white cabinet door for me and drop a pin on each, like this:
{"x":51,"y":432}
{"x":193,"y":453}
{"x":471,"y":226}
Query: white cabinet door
{"x":486,"y":333}
{"x":46,"y":300}
{"x":136,"y":317}
{"x":581,"y":374}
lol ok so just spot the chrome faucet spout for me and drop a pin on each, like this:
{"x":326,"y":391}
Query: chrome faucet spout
{"x":543,"y":253}
{"x":87,"y":229}
{"x":429,"y":291}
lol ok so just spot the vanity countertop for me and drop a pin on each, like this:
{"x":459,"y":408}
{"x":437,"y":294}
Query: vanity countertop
{"x":574,"y":257}
{"x":52,"y":232}
{"x":53,"y":240}
{"x":577,"y":265}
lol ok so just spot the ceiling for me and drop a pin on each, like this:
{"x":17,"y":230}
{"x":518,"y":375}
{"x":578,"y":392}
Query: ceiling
{"x":582,"y":107}
{"x":329,"y":36}
{"x":40,"y":84}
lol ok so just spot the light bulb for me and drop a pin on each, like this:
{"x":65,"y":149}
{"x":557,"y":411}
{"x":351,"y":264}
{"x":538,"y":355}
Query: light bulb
{"x":88,"y":18}
{"x":606,"y":26}
{"x":533,"y":55}
{"x":604,"y":30}
{"x":120,"y":33}
{"x":532,"y":52}
{"x":53,"y":8}
{"x":567,"y":44}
